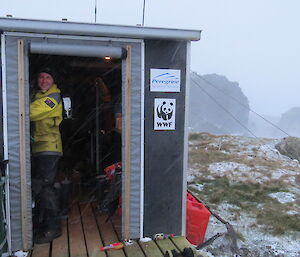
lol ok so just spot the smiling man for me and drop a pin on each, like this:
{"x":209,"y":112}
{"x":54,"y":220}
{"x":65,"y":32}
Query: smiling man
{"x":45,"y":117}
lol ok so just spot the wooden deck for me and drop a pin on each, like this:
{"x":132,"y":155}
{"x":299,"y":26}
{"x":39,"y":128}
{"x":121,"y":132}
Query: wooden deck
{"x":86,"y":231}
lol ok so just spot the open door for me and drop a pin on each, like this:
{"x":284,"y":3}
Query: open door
{"x":124,"y":79}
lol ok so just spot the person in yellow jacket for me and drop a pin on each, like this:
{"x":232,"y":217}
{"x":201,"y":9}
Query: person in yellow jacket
{"x":45,"y":117}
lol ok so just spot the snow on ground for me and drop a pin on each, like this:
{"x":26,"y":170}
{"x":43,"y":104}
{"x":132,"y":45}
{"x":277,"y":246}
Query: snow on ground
{"x":265,"y":164}
{"x":255,"y":241}
{"x":283,"y":197}
{"x":221,"y":168}
{"x":198,"y":187}
{"x":238,"y":172}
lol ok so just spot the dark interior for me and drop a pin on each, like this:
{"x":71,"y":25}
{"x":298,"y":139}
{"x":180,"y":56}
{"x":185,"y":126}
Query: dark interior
{"x":91,"y":141}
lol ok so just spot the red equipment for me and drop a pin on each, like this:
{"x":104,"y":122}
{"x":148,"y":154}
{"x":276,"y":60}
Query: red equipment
{"x":197,"y":217}
{"x":110,"y":170}
{"x":115,"y":246}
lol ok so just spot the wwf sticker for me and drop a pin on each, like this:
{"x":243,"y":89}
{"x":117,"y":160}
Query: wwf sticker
{"x":164,"y":114}
{"x":49,"y":103}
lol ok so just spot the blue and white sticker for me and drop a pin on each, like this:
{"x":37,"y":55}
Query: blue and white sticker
{"x":164,"y":113}
{"x":164,"y":80}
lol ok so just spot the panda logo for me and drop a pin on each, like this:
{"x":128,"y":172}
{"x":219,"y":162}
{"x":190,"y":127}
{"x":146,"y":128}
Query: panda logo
{"x":165,"y":110}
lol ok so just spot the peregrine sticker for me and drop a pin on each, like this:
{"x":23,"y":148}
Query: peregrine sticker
{"x":164,"y":80}
{"x":164,"y":114}
{"x":49,"y":103}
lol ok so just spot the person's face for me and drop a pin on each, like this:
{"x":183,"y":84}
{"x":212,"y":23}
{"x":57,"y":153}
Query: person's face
{"x":45,"y":81}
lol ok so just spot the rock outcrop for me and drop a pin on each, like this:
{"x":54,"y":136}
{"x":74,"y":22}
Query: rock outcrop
{"x":213,"y":101}
{"x":289,"y":146}
{"x":290,"y":121}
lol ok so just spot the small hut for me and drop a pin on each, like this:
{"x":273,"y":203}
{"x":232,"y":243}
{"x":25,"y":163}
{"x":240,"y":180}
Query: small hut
{"x":146,"y":71}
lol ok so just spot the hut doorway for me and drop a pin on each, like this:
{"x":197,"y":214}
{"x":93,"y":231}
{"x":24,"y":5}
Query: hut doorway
{"x":91,"y":91}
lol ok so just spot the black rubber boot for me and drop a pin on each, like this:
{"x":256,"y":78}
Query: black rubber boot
{"x":47,"y":236}
{"x":52,"y":227}
{"x":65,"y":194}
{"x":48,"y":221}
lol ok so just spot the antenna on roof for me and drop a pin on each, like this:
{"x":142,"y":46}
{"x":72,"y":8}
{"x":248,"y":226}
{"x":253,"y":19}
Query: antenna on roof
{"x":95,"y":11}
{"x":144,"y":13}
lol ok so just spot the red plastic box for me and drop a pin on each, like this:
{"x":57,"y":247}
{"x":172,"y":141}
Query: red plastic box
{"x":197,"y":218}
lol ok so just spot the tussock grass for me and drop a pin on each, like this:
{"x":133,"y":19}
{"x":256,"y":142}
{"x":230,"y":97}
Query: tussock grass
{"x":247,"y":196}
{"x":250,"y":197}
{"x":201,"y":136}
{"x":206,"y":157}
{"x":243,"y":194}
{"x":297,"y":179}
{"x":276,"y":219}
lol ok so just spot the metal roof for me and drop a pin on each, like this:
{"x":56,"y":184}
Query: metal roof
{"x":94,"y":29}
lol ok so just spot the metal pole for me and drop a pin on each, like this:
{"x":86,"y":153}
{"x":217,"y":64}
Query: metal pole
{"x":95,"y":11}
{"x":97,"y":127}
{"x":144,"y":13}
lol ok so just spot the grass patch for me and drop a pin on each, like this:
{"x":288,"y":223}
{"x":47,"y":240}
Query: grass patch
{"x":251,"y":197}
{"x":201,"y":136}
{"x":206,"y":157}
{"x":247,"y":196}
{"x":242,"y":194}
{"x":276,"y":219}
{"x":262,"y":162}
{"x":297,"y":179}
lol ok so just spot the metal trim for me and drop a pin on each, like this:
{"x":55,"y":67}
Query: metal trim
{"x":126,"y":199}
{"x":142,"y":138}
{"x":69,"y":37}
{"x":92,"y":29}
{"x":186,"y":135}
{"x":76,"y":50}
{"x":5,"y":141}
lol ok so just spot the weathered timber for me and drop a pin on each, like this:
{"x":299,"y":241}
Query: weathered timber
{"x":92,"y":236}
{"x":151,"y":249}
{"x":60,"y":246}
{"x":76,"y":237}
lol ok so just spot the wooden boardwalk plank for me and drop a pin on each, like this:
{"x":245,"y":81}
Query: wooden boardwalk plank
{"x":151,"y":249}
{"x":92,"y":236}
{"x":134,"y":250}
{"x":181,"y":242}
{"x":117,"y":224}
{"x":41,"y":250}
{"x":76,"y":237}
{"x":108,"y":236}
{"x":165,"y":244}
{"x":60,"y":246}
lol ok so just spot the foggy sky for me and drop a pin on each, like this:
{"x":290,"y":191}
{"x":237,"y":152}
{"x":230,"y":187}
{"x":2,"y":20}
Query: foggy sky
{"x":255,"y":43}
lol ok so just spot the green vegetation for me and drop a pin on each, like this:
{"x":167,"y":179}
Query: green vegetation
{"x":297,"y":179}
{"x":277,"y":220}
{"x":206,"y":157}
{"x":247,"y":196}
{"x":201,"y":136}
{"x":243,"y":194}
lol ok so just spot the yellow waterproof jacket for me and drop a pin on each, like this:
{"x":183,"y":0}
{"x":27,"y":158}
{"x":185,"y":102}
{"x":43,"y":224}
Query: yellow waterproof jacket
{"x":46,"y":115}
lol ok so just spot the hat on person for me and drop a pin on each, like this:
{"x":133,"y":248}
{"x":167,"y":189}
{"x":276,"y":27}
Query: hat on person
{"x":49,"y":71}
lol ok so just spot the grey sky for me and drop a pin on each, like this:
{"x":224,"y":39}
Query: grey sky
{"x":255,"y":43}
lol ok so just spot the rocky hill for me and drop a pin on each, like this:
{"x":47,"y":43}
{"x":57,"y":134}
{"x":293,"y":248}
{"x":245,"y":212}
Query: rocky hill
{"x":290,"y":121}
{"x":251,"y":185}
{"x":211,"y":101}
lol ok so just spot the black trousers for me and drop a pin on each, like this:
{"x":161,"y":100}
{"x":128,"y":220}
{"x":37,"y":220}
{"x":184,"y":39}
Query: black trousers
{"x":46,"y":211}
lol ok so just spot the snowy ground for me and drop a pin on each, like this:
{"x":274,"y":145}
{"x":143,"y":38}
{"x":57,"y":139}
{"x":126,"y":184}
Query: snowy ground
{"x":244,"y":161}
